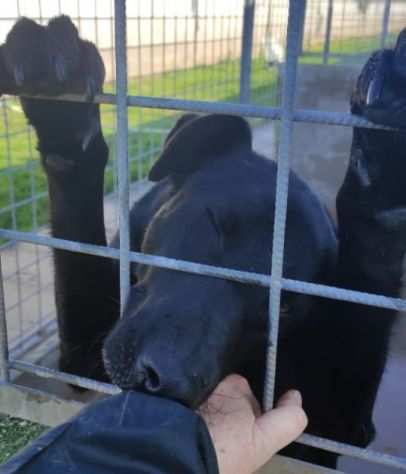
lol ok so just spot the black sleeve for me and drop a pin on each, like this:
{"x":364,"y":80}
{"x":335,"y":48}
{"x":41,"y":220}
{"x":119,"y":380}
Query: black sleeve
{"x":130,"y":433}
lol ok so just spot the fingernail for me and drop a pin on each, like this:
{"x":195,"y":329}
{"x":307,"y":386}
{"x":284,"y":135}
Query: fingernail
{"x":294,"y":396}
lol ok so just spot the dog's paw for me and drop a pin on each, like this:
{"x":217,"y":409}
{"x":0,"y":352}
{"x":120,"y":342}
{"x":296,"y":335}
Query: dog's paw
{"x":380,"y":92}
{"x":49,"y":60}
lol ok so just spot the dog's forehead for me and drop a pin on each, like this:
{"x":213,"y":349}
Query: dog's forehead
{"x":234,"y":179}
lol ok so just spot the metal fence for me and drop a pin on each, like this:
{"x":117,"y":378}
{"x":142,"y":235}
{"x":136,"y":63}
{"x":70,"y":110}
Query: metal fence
{"x":144,"y":106}
{"x":184,"y":49}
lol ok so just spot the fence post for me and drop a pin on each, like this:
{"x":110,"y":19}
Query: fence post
{"x":122,"y":147}
{"x":4,"y":370}
{"x":302,"y":30}
{"x":327,"y":38}
{"x":385,"y":22}
{"x":246,"y":50}
{"x":295,"y":23}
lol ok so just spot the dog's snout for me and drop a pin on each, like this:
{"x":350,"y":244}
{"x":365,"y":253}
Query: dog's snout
{"x":150,"y":370}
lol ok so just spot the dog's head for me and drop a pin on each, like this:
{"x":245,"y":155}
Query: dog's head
{"x":181,"y":333}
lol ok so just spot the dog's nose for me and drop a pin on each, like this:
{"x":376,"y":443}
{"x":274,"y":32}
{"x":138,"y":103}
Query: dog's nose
{"x":149,"y":376}
{"x":158,"y":374}
{"x":153,"y":370}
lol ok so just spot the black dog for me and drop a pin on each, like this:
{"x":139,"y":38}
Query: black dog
{"x":214,"y":203}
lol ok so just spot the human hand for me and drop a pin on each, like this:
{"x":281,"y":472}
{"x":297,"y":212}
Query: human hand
{"x":243,"y":437}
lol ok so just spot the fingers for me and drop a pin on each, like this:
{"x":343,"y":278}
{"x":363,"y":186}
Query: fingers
{"x":234,"y":391}
{"x":234,"y":384}
{"x":279,"y":427}
{"x":290,"y":398}
{"x":244,"y":438}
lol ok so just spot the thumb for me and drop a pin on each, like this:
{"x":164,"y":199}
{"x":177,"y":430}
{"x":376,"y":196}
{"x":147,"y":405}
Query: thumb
{"x":278,"y":427}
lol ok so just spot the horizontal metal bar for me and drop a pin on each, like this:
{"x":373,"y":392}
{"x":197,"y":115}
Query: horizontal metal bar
{"x":7,"y":246}
{"x":45,"y":372}
{"x":160,"y":44}
{"x":19,"y":346}
{"x":4,"y":349}
{"x":29,"y":296}
{"x":337,"y":55}
{"x":36,"y":405}
{"x":21,"y":268}
{"x":16,"y":132}
{"x":296,"y":286}
{"x":245,"y":110}
{"x":308,"y":440}
{"x":187,"y":16}
{"x":353,"y":451}
{"x":23,"y":202}
{"x":284,"y":465}
{"x":52,"y":410}
{"x":11,"y":170}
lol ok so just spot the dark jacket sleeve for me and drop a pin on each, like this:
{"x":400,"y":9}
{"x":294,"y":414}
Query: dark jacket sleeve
{"x":130,"y":433}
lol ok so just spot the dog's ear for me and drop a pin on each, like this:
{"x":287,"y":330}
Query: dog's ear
{"x":196,"y":139}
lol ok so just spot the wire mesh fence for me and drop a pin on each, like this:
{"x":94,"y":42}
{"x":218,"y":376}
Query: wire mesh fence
{"x":201,"y":56}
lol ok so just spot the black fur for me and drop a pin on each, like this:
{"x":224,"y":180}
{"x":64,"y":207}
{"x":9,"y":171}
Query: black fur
{"x":214,"y":203}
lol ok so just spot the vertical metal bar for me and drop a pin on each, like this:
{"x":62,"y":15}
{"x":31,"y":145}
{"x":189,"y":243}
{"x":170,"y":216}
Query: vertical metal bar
{"x":236,"y":48}
{"x":246,"y":50}
{"x":140,"y":118}
{"x":114,"y":167}
{"x":229,"y":55}
{"x":96,"y":25}
{"x":163,"y":74}
{"x":213,"y":53}
{"x":122,"y":147}
{"x":385,"y":22}
{"x":196,"y":25}
{"x":79,"y":17}
{"x":221,"y":80}
{"x":175,"y":54}
{"x":327,"y":38}
{"x":296,"y":17}
{"x":151,"y":50}
{"x":4,"y":371}
{"x":14,"y":207}
{"x":302,"y":28}
{"x":41,"y":18}
{"x":186,"y":56}
{"x":34,"y":212}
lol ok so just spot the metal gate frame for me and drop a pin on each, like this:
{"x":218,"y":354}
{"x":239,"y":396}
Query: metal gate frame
{"x":42,"y":407}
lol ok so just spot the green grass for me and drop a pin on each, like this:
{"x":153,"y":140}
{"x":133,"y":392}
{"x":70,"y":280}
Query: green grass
{"x":20,"y":172}
{"x":353,"y":46}
{"x":15,"y":434}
